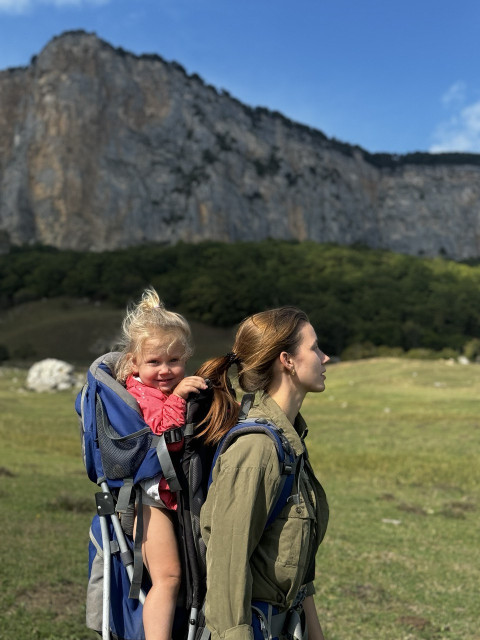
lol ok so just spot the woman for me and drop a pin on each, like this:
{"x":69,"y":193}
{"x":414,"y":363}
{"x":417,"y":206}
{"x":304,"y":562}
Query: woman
{"x":278,"y":357}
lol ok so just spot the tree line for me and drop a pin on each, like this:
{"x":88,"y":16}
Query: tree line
{"x":353,"y":295}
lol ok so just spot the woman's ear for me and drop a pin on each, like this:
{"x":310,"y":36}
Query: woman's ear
{"x":286,"y":361}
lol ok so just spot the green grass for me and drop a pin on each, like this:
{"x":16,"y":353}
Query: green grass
{"x":395,"y":444}
{"x":47,"y":505}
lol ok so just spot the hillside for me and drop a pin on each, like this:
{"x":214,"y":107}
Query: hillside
{"x":78,"y":331}
{"x":355,"y":297}
{"x":101,"y":149}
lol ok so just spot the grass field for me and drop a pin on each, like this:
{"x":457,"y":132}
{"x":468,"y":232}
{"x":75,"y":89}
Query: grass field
{"x":395,"y":444}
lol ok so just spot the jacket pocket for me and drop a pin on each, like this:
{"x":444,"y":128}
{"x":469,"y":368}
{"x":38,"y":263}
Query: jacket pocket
{"x":296,"y":526}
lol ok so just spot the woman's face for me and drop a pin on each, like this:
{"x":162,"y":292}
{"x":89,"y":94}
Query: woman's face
{"x":309,"y":361}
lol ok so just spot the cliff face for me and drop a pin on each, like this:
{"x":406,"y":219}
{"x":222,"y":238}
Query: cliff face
{"x":101,"y":149}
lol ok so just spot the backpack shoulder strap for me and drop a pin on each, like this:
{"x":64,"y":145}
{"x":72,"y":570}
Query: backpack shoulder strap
{"x":287,"y":460}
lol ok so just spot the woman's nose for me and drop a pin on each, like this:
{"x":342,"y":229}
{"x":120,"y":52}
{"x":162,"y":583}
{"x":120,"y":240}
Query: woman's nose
{"x":325,"y":358}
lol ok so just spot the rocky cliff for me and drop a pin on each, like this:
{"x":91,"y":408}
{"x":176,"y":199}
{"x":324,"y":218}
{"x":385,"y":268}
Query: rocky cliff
{"x":101,"y":149}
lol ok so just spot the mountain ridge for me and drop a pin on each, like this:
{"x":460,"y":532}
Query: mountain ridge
{"x":110,"y":149}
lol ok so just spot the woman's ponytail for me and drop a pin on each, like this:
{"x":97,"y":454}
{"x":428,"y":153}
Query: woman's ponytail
{"x":224,"y":411}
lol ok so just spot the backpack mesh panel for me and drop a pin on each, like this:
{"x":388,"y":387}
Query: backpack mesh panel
{"x":121,"y":456}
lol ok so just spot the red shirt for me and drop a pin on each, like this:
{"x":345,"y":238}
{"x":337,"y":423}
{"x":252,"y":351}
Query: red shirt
{"x":161,"y":413}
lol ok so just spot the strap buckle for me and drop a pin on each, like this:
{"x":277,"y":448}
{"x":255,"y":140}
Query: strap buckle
{"x":173,"y":435}
{"x":287,"y":468}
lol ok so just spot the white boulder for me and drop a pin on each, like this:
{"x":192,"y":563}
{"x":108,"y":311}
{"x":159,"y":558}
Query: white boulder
{"x":50,"y":375}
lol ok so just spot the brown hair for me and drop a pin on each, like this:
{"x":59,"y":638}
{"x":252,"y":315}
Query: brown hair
{"x":259,"y":341}
{"x":149,"y":319}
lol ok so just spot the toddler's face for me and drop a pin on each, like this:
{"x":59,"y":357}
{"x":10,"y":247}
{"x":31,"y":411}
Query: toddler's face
{"x":158,"y":367}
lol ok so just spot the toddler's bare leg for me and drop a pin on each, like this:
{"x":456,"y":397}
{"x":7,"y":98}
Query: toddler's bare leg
{"x":160,"y":555}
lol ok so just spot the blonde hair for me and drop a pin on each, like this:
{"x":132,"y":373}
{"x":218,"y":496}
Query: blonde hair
{"x":149,"y":319}
{"x":259,"y":341}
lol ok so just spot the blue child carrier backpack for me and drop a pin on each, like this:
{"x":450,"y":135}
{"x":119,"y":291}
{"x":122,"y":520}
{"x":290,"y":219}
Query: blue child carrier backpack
{"x":119,"y":451}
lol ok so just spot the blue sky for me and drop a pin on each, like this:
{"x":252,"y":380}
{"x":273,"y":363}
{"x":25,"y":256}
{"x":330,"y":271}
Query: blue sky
{"x":389,"y":75}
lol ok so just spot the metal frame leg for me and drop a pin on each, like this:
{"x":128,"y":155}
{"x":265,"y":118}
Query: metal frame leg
{"x":122,"y":543}
{"x":106,"y":578}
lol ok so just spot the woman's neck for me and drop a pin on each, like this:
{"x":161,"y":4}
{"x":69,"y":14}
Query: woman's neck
{"x":288,"y":398}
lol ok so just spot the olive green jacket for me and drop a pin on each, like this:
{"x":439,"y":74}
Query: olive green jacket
{"x":245,"y":562}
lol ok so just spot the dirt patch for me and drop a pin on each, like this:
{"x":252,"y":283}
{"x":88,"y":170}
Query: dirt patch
{"x":66,"y":502}
{"x":462,"y":506}
{"x":457,"y":509}
{"x":412,"y":508}
{"x":388,"y":497}
{"x":6,"y":473}
{"x":415,"y":622}
{"x":448,"y":487}
{"x":367,"y":593}
{"x":61,"y":600}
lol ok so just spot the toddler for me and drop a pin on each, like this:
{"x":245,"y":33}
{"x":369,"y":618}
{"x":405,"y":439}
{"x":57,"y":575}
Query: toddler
{"x":156,"y":345}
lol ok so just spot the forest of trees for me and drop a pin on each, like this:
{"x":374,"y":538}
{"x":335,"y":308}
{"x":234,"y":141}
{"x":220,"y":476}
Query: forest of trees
{"x":356,"y":298}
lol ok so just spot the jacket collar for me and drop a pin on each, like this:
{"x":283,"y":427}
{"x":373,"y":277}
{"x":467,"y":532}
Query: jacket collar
{"x":266,"y":407}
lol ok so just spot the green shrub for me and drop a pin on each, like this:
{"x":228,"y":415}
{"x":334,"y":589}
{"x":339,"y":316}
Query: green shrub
{"x":384,"y":351}
{"x":471,"y":350}
{"x":25,"y":294}
{"x":358,"y":351}
{"x":421,"y":354}
{"x":448,"y":353}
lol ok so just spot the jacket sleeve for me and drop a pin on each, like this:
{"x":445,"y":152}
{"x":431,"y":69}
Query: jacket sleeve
{"x":161,"y":417}
{"x":244,"y":487}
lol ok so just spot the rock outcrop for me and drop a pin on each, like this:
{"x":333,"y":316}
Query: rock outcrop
{"x":102,"y":149}
{"x":50,"y":375}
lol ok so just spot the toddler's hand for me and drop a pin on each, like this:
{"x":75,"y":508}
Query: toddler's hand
{"x":190,"y":384}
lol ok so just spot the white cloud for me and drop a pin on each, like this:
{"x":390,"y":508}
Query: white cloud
{"x":71,"y":3}
{"x":455,"y":94}
{"x":461,"y":130}
{"x":14,"y":6}
{"x":23,"y":6}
